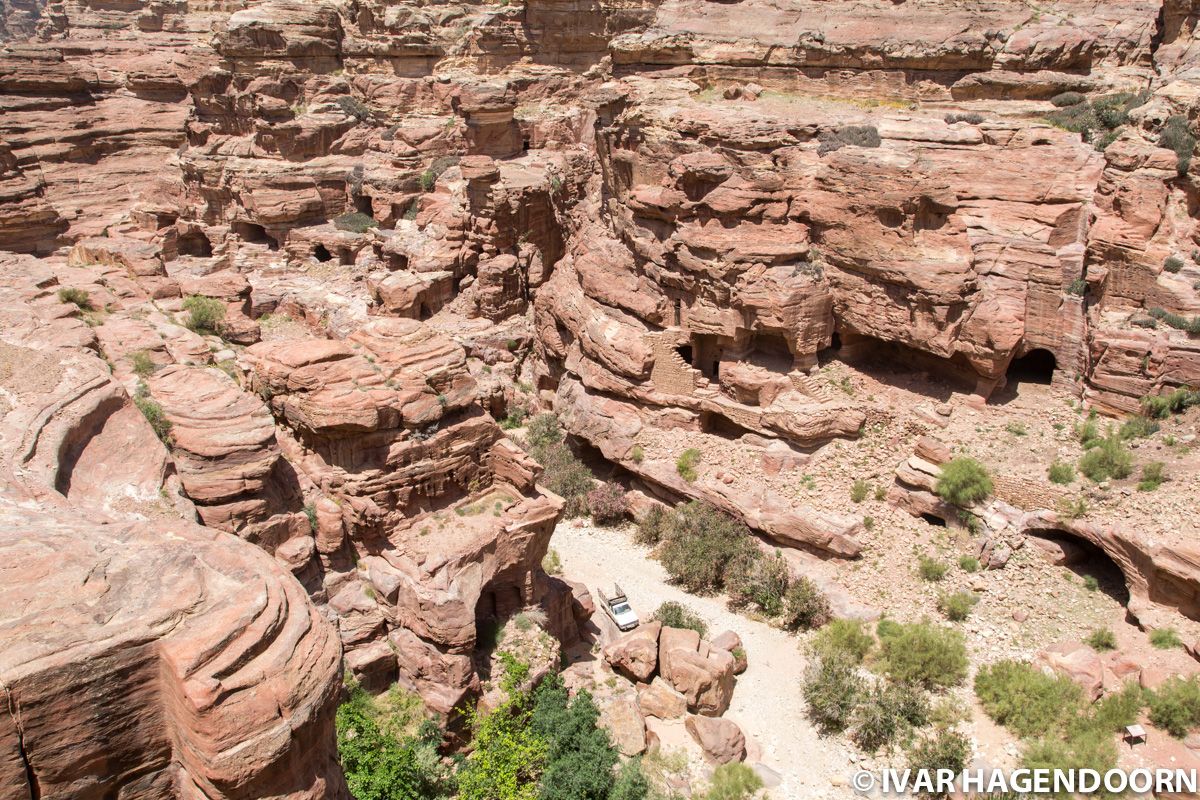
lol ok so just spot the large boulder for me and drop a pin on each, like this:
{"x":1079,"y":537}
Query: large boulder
{"x":625,"y":723}
{"x":635,"y":654}
{"x":701,"y":673}
{"x":721,"y":740}
{"x":660,"y":700}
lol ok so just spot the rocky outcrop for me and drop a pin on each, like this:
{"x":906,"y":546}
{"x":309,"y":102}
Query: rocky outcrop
{"x":721,"y":740}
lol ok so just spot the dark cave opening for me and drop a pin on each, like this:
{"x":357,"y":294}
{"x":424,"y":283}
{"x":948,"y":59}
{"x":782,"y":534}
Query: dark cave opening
{"x":321,"y":253}
{"x":1036,"y":366}
{"x":194,"y":243}
{"x":1085,"y":559}
{"x":363,"y":205}
{"x":934,"y":519}
{"x":253,"y":233}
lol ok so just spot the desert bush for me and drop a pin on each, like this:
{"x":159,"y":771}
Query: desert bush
{"x":859,"y":491}
{"x":1025,"y":699}
{"x":1016,"y":428}
{"x":1176,"y":135}
{"x":1072,"y":509}
{"x":756,"y":579}
{"x":204,"y":313}
{"x":607,"y":504}
{"x":733,"y":781}
{"x":677,"y":615}
{"x":1061,"y":473}
{"x":1102,"y":639}
{"x":944,"y":749}
{"x":1083,"y":749}
{"x":1078,"y":287}
{"x":925,"y":654}
{"x":154,"y":414}
{"x":1138,"y":428}
{"x":631,"y":782}
{"x":355,"y":222}
{"x":842,"y":637}
{"x":1175,"y":705}
{"x":963,"y":481}
{"x":968,"y":564}
{"x":1173,"y":264}
{"x":652,"y":525}
{"x":1153,"y":476}
{"x":832,"y":690}
{"x":1174,"y":402}
{"x":1176,"y":321}
{"x":515,"y":418}
{"x":888,"y":712}
{"x":930,"y":569}
{"x":1090,"y":583}
{"x":1088,"y":432}
{"x":1108,"y":459}
{"x":552,"y":563}
{"x":698,"y":545}
{"x":143,"y":366}
{"x":685,"y":465}
{"x":566,"y":476}
{"x":806,"y":607}
{"x":76,"y":297}
{"x":1165,"y":638}
{"x":957,"y":605}
{"x":971,"y":118}
{"x":353,"y":107}
{"x":856,"y":135}
{"x":638,"y":454}
{"x":543,"y":429}
{"x":1065,"y":99}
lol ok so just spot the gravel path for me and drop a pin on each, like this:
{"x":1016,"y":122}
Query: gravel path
{"x":766,"y":703}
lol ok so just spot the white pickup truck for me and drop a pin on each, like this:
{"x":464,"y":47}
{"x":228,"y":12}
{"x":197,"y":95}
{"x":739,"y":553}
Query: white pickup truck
{"x":618,"y":609}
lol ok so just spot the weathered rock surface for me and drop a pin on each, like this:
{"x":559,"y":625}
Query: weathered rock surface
{"x":721,"y":739}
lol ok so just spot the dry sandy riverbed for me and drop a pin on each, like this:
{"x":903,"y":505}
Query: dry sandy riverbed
{"x":766,"y":703}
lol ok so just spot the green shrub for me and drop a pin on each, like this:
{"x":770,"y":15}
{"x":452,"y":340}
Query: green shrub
{"x":515,"y":418}
{"x":580,"y":757}
{"x":832,"y":690}
{"x":1061,"y":473}
{"x":355,"y":222}
{"x":971,"y":118}
{"x":1108,"y":459}
{"x":887,"y":627}
{"x":204,"y":313}
{"x":733,"y":781}
{"x":1025,"y":699}
{"x":552,"y":563}
{"x":638,"y":454}
{"x":1087,"y":432}
{"x":310,"y":513}
{"x":1175,"y":706}
{"x":566,"y":476}
{"x":844,"y":638}
{"x":1152,"y":476}
{"x":631,"y":782}
{"x":607,"y":504}
{"x":1102,"y":639}
{"x":1177,"y":136}
{"x":756,"y":579}
{"x":859,"y":491}
{"x":1083,"y":749}
{"x":925,"y":654}
{"x":1173,"y":264}
{"x":887,"y":713}
{"x":1138,"y":428}
{"x":699,"y":544}
{"x":930,"y":569}
{"x":945,"y":749}
{"x":1065,"y":99}
{"x":143,"y":366}
{"x":428,"y":180}
{"x":1165,"y":638}
{"x":968,"y":564}
{"x":380,"y":766}
{"x":154,"y":414}
{"x":806,"y":606}
{"x":652,"y":525}
{"x":1078,"y":287}
{"x":685,"y":465}
{"x":957,"y":605}
{"x":76,"y":297}
{"x":856,"y":135}
{"x":353,"y":107}
{"x":1090,"y":583}
{"x":963,"y":482}
{"x":1016,"y":428}
{"x":543,"y":430}
{"x":677,"y":615}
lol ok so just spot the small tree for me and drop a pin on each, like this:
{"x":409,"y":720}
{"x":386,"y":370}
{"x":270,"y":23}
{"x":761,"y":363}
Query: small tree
{"x":753,"y":578}
{"x":699,"y":545}
{"x":607,"y":504}
{"x":832,"y":690}
{"x":652,"y":525}
{"x":677,"y":615}
{"x":964,"y":482}
{"x":204,"y":313}
{"x":806,"y":606}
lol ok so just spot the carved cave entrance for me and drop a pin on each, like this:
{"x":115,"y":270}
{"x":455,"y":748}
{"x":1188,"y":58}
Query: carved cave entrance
{"x":194,"y":243}
{"x":1084,"y":559}
{"x":321,"y":253}
{"x":1036,"y":366}
{"x":254,"y":234}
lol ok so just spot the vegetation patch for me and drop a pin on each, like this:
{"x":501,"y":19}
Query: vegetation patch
{"x":964,"y":482}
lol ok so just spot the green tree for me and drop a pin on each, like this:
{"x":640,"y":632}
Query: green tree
{"x":964,"y":482}
{"x":579,"y":756}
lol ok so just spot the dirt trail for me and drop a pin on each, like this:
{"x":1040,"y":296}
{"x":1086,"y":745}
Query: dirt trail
{"x":766,"y":703}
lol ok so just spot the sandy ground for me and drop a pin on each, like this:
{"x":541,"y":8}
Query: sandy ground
{"x":766,"y":702}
